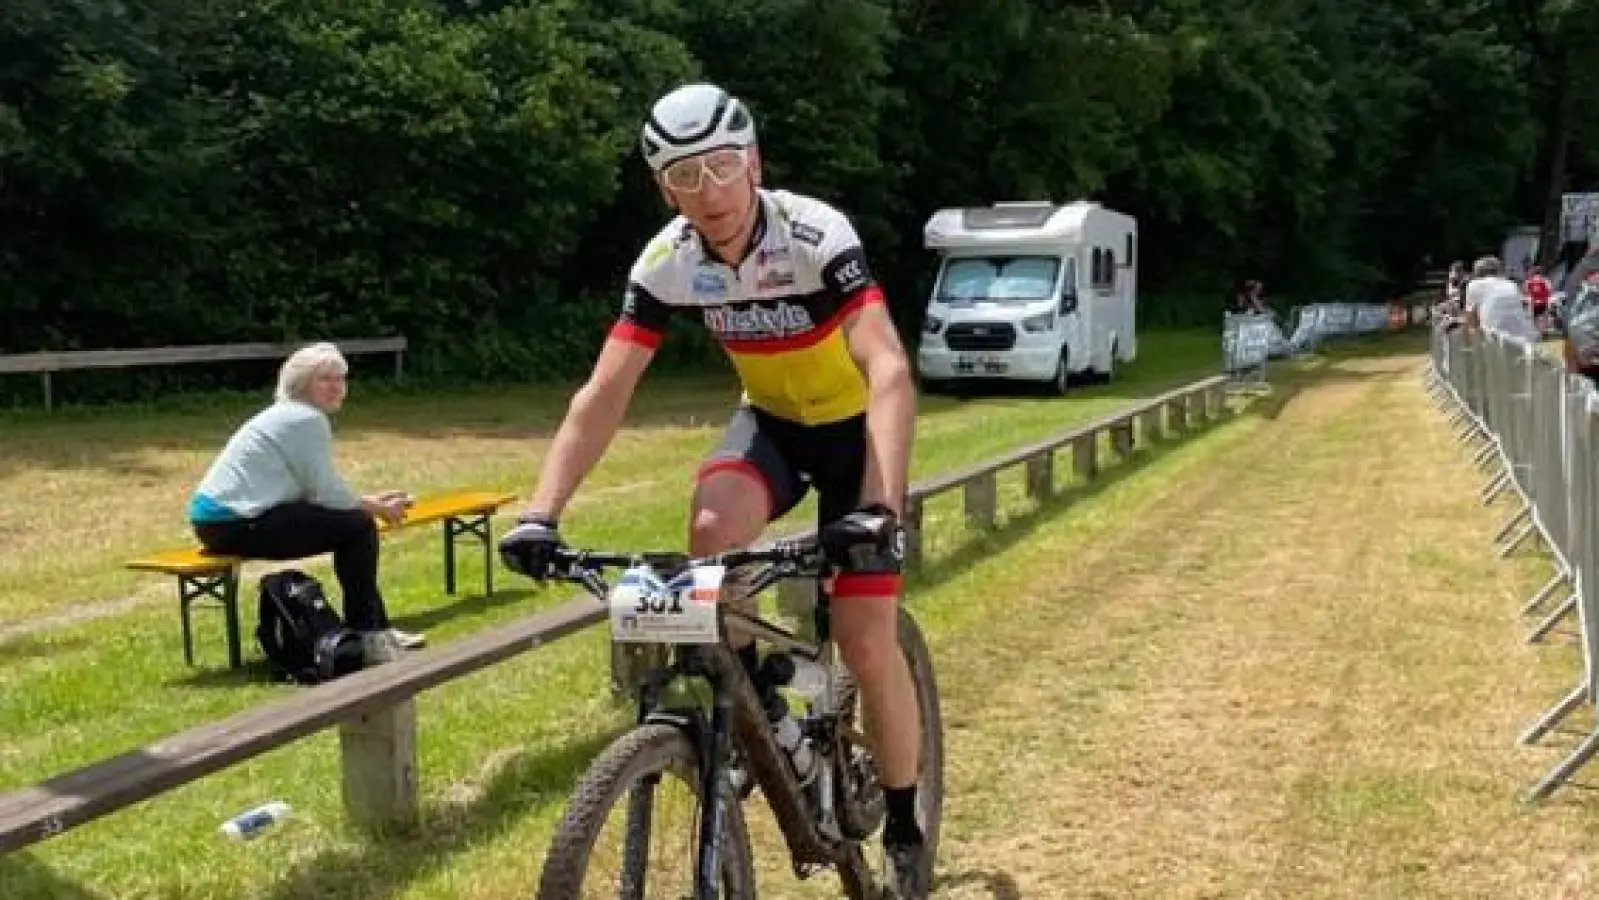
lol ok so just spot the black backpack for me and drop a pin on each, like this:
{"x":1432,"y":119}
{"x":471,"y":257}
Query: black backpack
{"x":300,"y":633}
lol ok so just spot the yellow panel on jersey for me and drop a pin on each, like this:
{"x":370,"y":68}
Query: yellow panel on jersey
{"x":810,"y":377}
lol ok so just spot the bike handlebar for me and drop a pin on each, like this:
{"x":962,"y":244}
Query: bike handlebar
{"x":799,"y":559}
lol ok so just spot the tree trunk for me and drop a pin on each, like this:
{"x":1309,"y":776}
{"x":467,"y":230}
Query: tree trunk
{"x":1559,"y":130}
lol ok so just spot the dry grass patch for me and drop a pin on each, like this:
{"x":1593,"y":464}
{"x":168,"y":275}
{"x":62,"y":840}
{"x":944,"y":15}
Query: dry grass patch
{"x":1311,"y":688}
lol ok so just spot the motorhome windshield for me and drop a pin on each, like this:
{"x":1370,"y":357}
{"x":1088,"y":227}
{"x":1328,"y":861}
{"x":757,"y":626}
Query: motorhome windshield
{"x":998,"y":279}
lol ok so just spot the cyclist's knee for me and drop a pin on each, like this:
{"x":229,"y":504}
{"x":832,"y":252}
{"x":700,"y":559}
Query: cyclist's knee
{"x":726,"y":515}
{"x":868,"y":643}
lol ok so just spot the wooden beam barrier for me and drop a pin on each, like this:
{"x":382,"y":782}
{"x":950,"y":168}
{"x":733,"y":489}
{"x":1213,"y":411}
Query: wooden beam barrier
{"x":982,"y":499}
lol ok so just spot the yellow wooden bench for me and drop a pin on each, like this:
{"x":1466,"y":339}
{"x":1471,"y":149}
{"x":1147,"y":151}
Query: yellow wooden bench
{"x":205,"y":575}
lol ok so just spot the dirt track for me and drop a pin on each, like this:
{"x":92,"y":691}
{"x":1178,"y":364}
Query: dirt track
{"x":1279,"y":663}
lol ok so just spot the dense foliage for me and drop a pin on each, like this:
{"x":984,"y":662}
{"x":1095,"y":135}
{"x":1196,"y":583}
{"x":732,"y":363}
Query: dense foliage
{"x":464,"y":172}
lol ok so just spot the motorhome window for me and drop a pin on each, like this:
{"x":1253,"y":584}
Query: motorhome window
{"x":998,"y":279}
{"x":1104,"y":273}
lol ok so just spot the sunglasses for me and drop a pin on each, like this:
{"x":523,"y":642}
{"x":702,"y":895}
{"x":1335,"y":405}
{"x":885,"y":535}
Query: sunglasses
{"x":723,"y":166}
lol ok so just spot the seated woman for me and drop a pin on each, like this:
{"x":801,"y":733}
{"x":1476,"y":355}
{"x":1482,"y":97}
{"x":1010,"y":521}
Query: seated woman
{"x":273,"y":493}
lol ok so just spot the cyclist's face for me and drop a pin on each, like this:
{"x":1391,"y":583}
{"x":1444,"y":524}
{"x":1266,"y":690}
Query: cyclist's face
{"x":715,"y":191}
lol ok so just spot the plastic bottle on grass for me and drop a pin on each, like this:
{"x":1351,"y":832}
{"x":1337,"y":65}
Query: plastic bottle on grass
{"x":249,"y":825}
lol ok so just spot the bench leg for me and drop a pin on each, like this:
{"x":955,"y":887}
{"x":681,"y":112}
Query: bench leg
{"x":230,"y":609}
{"x":480,"y":526}
{"x":223,"y":588}
{"x":184,"y":598}
{"x":450,"y":531}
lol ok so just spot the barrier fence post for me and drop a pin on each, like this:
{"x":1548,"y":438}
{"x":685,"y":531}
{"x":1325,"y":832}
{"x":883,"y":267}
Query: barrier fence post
{"x":1041,"y":475}
{"x":380,"y":768}
{"x":982,"y":500}
{"x":1085,"y":457}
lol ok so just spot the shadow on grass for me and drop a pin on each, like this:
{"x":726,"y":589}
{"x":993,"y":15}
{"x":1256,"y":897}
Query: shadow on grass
{"x":998,"y":885}
{"x":22,"y":877}
{"x":255,"y":670}
{"x":1289,"y":382}
{"x":385,"y":863}
{"x":468,"y":605}
{"x":1016,"y":527}
{"x":974,"y":546}
{"x":24,"y":647}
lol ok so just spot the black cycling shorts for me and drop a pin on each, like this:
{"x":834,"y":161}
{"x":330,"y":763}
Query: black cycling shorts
{"x":787,"y":458}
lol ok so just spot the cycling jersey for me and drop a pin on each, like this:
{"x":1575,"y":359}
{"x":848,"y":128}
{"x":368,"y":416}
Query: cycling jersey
{"x":778,"y":313}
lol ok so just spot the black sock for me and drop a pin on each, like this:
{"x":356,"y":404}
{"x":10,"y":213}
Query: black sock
{"x":901,"y":827}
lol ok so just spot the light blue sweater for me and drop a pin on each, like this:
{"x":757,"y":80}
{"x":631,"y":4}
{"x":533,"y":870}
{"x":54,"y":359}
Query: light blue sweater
{"x":284,"y":453}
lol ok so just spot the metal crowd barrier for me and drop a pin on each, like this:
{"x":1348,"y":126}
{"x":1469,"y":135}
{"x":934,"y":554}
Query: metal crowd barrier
{"x":1538,"y":431}
{"x":1246,"y":345}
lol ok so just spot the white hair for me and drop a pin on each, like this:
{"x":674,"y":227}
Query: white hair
{"x":304,"y":365}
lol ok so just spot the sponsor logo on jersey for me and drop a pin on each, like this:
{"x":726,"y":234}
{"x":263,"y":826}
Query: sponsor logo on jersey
{"x":758,"y":322}
{"x":710,"y":283}
{"x":774,"y":278}
{"x":807,"y":233}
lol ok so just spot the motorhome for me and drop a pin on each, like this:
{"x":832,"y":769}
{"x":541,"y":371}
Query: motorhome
{"x":1030,"y":291}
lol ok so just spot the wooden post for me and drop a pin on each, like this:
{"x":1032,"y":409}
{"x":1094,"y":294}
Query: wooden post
{"x":49,"y":400}
{"x":1151,"y":426}
{"x":1085,"y":456}
{"x":796,"y":598}
{"x":380,"y":767}
{"x":913,"y":532}
{"x":1217,"y":405}
{"x":1177,"y":414}
{"x":1121,"y":439}
{"x":982,"y":500}
{"x":1041,"y":475}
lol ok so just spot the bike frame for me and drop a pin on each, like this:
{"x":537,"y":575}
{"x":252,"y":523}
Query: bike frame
{"x":736,"y":717}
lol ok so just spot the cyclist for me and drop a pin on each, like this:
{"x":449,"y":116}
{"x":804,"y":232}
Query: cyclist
{"x":782,"y":281}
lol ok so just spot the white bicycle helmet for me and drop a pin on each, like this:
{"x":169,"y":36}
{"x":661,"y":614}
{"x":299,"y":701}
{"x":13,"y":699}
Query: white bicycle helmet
{"x":694,"y":119}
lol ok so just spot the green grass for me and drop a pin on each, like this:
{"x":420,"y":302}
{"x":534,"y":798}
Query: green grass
{"x":1277,"y":659}
{"x":85,"y":492}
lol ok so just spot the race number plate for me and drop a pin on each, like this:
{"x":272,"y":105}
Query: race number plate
{"x":647,"y":610}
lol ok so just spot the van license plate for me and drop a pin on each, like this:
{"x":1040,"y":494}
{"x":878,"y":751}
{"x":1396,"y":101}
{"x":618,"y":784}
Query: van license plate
{"x":976,"y":363}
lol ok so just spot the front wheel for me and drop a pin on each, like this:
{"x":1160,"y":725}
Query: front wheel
{"x":860,"y":797}
{"x":651,"y":775}
{"x":1061,"y":384}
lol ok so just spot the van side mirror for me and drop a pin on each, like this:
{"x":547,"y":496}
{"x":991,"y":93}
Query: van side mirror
{"x":1068,"y":299}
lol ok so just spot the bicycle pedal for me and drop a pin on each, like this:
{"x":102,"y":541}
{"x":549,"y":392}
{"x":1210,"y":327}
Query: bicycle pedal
{"x":743,"y":785}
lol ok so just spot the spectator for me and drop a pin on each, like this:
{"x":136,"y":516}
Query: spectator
{"x":1585,"y":267}
{"x":1539,"y":290}
{"x":1455,"y":287}
{"x":273,"y":493}
{"x":1250,"y":298}
{"x":1493,"y":302}
{"x":1581,"y":345}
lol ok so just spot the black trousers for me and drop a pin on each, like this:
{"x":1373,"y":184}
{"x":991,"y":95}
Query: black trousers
{"x":299,"y":530}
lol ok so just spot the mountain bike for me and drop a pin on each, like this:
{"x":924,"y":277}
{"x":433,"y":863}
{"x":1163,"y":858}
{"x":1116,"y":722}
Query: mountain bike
{"x":717,"y":748}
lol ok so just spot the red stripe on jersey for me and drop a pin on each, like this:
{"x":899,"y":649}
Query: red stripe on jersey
{"x":869,"y":294}
{"x":636,"y":334}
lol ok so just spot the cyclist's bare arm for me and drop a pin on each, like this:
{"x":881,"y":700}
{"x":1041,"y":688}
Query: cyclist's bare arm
{"x":592,"y":420}
{"x":890,"y":405}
